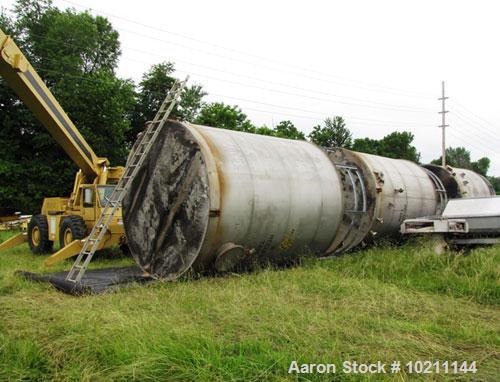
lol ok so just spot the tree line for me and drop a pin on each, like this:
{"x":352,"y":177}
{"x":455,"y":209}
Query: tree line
{"x":77,"y":55}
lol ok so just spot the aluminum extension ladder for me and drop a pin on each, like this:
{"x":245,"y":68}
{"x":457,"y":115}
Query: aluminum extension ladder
{"x":142,"y":147}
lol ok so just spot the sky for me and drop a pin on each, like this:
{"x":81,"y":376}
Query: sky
{"x":379,"y":64}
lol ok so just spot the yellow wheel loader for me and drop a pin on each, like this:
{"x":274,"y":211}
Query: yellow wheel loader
{"x":65,"y":221}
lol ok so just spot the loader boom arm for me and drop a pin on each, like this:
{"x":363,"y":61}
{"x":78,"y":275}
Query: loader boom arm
{"x":23,"y":79}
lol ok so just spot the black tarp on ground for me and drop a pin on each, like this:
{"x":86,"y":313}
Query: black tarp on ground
{"x":94,"y":281}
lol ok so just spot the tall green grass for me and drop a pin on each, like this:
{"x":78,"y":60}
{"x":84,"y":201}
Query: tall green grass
{"x":472,"y":275}
{"x":382,"y":303}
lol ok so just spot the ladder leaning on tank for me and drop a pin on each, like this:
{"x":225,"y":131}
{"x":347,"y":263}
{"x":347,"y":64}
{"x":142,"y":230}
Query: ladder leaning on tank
{"x":142,"y":147}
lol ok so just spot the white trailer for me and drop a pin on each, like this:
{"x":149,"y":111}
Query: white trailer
{"x":463,"y":222}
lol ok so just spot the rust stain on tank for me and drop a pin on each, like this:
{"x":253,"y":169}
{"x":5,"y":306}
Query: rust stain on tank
{"x":288,"y":240}
{"x":222,"y":182}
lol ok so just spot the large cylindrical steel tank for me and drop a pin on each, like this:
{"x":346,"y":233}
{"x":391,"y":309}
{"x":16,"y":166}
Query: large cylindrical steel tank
{"x":206,"y":196}
{"x":209,"y":198}
{"x":462,"y":183}
{"x":406,"y":192}
{"x":394,"y":189}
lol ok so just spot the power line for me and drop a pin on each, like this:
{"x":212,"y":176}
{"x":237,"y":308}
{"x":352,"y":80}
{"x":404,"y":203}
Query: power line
{"x":366,"y":103}
{"x":299,"y":116}
{"x":265,"y":81}
{"x":471,"y":137}
{"x":490,"y":136}
{"x":279,"y":70}
{"x":443,"y":126}
{"x":476,"y":124}
{"x":466,"y":142}
{"x":465,"y":133}
{"x":303,"y":96}
{"x":461,"y":135}
{"x":475,"y":115}
{"x":400,"y":109}
{"x":294,"y":94}
{"x":316,"y":112}
{"x":267,"y":59}
{"x":371,"y":121}
{"x":395,"y":123}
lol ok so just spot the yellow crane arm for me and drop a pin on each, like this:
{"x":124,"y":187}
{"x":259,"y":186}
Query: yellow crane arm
{"x":23,"y":79}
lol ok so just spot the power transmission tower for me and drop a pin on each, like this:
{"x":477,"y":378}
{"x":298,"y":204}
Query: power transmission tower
{"x":443,"y":125}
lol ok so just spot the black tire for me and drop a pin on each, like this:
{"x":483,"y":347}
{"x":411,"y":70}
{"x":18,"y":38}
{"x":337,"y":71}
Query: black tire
{"x":74,"y":226}
{"x":38,"y":235}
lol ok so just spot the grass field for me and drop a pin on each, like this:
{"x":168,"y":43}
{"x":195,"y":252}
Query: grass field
{"x":383,"y":303}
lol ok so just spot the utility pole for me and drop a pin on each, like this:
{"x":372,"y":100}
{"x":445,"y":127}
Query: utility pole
{"x":443,"y":125}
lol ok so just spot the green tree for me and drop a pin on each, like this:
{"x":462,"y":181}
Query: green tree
{"x":218,"y":114}
{"x":481,"y":166}
{"x":150,"y":94}
{"x":263,"y":130}
{"x":333,"y":133}
{"x":456,"y":157}
{"x":366,"y":145}
{"x":190,"y":103}
{"x":286,"y":129}
{"x":495,"y":182}
{"x":460,"y":157}
{"x":399,"y":145}
{"x":76,"y":54}
{"x":395,"y":145}
{"x":153,"y":89}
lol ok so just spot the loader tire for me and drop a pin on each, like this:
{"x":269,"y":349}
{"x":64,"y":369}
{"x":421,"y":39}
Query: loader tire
{"x":72,"y":228}
{"x":38,"y":235}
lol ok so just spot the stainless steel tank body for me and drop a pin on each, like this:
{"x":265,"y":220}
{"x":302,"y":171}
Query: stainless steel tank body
{"x":461,"y":182}
{"x":207,"y":195}
{"x":207,"y":198}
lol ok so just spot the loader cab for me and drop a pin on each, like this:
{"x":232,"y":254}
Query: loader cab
{"x":93,"y":199}
{"x":104,"y":193}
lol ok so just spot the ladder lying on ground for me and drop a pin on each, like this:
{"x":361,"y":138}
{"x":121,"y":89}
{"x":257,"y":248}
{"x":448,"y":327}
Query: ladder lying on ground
{"x":142,"y":147}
